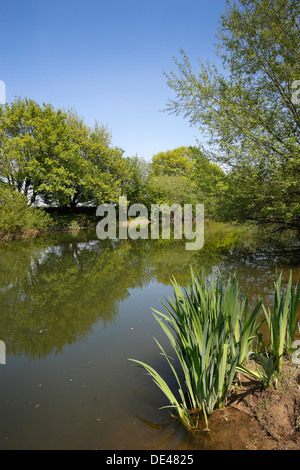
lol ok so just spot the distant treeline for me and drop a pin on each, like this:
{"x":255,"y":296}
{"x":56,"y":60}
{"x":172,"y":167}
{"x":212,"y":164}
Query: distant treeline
{"x":52,"y":158}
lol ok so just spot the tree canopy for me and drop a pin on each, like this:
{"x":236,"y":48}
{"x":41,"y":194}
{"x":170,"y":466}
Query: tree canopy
{"x":53,"y":156}
{"x":247,"y":109}
{"x":184,"y":175}
{"x":175,"y":162}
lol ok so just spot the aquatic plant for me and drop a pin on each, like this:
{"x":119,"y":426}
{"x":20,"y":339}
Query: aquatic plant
{"x":293,"y":318}
{"x":283,"y":321}
{"x":211,"y":332}
{"x":266,"y":369}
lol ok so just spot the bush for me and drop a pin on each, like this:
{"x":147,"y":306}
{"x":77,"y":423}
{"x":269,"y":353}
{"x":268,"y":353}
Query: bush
{"x":16,"y":217}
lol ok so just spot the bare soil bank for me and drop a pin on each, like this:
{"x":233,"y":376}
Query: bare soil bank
{"x":260,"y":419}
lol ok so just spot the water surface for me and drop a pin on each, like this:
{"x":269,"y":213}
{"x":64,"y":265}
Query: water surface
{"x":73,"y":309}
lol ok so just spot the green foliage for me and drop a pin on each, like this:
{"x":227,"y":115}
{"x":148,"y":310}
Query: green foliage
{"x":210,"y":183}
{"x":54,"y":156}
{"x":17,"y":217}
{"x":136,"y":186}
{"x":267,"y":372}
{"x":253,"y":125}
{"x":283,"y":321}
{"x":176,"y":162}
{"x":185,"y":176}
{"x":172,"y":190}
{"x":211,"y":333}
{"x":170,"y":178}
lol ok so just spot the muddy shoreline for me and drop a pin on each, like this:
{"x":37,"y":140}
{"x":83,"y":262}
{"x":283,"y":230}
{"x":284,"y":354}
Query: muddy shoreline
{"x":259,"y":419}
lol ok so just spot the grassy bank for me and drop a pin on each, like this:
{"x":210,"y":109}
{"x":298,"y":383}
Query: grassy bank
{"x":23,"y":222}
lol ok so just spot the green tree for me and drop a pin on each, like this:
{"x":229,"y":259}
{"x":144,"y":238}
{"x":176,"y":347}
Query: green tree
{"x":170,"y":177}
{"x":210,"y":182}
{"x":176,"y":162}
{"x":248,"y":110}
{"x":185,"y":175}
{"x":136,"y":186}
{"x":54,"y":156}
{"x":57,"y":165}
{"x":170,"y":190}
{"x":109,"y":170}
{"x":95,"y":169}
{"x":18,"y":144}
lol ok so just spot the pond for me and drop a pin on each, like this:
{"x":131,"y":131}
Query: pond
{"x":74,"y":309}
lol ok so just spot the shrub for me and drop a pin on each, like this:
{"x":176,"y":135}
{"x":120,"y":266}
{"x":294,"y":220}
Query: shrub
{"x":16,"y":217}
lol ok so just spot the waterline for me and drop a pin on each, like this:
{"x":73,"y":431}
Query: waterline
{"x":184,"y":222}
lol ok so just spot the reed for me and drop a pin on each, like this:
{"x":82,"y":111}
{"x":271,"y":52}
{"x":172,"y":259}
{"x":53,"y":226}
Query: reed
{"x":293,"y":318}
{"x":266,"y":369}
{"x":211,"y":332}
{"x":283,"y":321}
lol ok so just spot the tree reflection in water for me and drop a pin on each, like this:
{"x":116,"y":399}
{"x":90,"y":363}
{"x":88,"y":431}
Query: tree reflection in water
{"x":54,"y":288}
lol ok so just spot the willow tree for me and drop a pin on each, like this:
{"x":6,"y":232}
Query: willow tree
{"x":249,"y":109}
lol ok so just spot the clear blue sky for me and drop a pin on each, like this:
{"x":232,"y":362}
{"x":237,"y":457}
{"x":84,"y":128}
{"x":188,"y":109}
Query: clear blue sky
{"x":106,"y":60}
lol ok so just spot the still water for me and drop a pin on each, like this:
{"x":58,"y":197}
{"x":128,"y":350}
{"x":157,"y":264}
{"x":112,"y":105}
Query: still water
{"x":73,"y":309}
